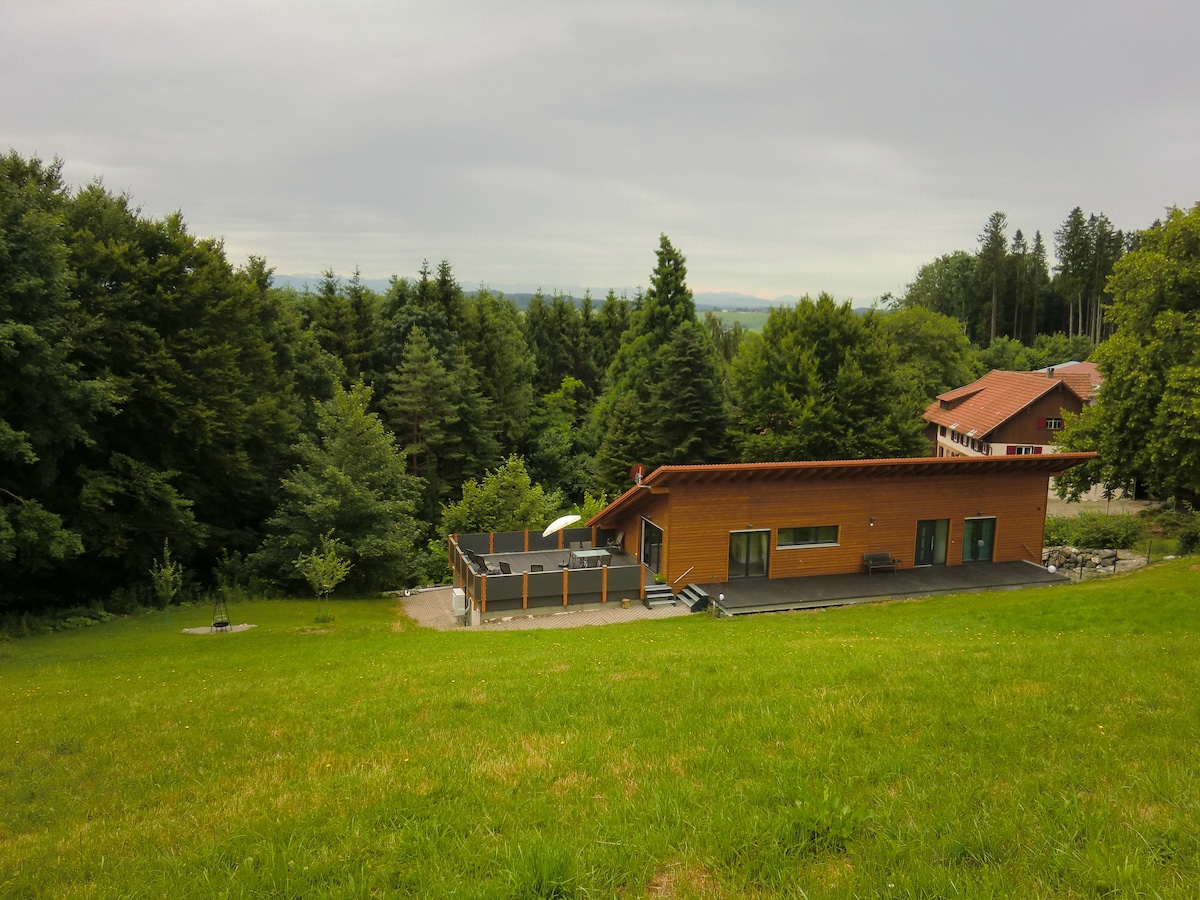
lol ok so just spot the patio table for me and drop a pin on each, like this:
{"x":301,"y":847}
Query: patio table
{"x":584,"y":558}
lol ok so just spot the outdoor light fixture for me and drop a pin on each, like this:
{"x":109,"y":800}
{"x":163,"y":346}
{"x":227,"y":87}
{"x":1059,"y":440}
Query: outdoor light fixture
{"x":872,"y":521}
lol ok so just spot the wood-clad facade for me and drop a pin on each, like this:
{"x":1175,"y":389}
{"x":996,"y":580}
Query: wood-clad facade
{"x":785,"y":520}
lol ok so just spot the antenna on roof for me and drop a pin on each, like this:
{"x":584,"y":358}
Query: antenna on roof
{"x":637,"y":472}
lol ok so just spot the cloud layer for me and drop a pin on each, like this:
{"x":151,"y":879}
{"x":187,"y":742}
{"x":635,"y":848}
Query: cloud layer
{"x":785,"y":147}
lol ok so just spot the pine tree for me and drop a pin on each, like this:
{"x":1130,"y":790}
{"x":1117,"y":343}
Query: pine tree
{"x":992,"y":258}
{"x":688,"y":401}
{"x":351,"y":486}
{"x":422,"y":406}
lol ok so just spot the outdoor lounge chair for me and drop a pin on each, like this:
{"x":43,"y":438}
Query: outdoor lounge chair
{"x":616,"y":544}
{"x":505,"y":568}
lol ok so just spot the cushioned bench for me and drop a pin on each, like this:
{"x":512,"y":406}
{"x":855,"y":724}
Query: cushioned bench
{"x":874,"y":561}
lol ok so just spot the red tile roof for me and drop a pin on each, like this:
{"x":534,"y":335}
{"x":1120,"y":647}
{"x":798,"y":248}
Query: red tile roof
{"x":979,"y":408}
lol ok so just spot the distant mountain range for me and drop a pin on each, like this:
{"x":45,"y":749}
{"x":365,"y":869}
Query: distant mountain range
{"x":521,"y":294}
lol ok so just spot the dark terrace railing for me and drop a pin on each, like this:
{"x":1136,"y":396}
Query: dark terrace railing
{"x":542,"y":576}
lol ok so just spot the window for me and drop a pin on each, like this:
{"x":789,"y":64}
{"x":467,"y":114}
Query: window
{"x":806,"y":537}
{"x":1023,"y":450}
{"x":1054,"y":424}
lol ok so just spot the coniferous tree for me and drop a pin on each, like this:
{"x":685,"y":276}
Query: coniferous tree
{"x":688,"y":401}
{"x":611,"y":323}
{"x":631,"y":416}
{"x":493,"y":341}
{"x":346,"y":322}
{"x":422,"y":407}
{"x":993,"y":258}
{"x":351,"y":486}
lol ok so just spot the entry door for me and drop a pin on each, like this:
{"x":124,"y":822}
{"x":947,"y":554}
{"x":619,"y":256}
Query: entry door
{"x":979,"y":540}
{"x":748,"y":554}
{"x":932,"y":535}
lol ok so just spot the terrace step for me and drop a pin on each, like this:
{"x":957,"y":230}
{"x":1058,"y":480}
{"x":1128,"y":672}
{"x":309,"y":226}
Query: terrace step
{"x":659,"y":595}
{"x":695,"y":597}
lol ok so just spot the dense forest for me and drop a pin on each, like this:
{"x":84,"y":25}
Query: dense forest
{"x":156,"y":399}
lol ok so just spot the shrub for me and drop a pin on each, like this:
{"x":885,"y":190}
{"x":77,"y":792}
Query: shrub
{"x":1058,"y":531}
{"x":1093,"y":529}
{"x":1189,"y":536}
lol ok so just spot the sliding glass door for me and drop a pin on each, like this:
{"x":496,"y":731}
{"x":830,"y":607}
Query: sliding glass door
{"x":748,"y":554}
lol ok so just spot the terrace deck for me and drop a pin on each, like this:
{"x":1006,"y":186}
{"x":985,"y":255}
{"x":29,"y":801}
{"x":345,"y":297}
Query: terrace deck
{"x":549,"y":560}
{"x":753,"y":595}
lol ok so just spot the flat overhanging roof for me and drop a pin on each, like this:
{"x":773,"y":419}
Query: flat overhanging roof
{"x":665,"y":477}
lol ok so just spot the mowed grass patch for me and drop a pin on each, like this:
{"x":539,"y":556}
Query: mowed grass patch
{"x":1036,"y":743}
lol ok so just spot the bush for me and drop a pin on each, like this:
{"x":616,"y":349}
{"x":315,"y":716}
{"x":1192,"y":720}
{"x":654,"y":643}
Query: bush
{"x":1095,"y":530}
{"x":1058,"y":531}
{"x":1189,"y":537}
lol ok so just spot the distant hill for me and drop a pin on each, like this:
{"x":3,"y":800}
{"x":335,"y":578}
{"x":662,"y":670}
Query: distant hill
{"x":717,"y":300}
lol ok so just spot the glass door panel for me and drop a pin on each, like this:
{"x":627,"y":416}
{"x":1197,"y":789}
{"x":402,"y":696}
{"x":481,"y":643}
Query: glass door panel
{"x":652,"y":541}
{"x":748,"y":554}
{"x":979,"y":540}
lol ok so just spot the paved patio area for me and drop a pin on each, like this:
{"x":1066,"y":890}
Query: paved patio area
{"x":432,"y":609}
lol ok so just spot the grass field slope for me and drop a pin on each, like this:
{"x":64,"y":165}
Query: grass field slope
{"x":1040,"y":743}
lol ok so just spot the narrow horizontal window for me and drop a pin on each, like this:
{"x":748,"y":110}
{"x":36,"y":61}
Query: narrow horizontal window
{"x":806,"y":537}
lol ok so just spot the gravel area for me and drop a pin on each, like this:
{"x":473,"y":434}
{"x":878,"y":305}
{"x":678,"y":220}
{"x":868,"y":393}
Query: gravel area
{"x":432,"y":609}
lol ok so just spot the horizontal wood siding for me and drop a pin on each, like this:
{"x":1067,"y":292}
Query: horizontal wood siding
{"x":702,"y":516}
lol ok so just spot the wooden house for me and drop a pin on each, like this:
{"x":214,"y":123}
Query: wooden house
{"x":721,"y":523}
{"x":1009,"y":413}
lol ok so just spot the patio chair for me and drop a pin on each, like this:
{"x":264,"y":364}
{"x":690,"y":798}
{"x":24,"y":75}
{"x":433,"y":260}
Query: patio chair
{"x":616,"y":544}
{"x":505,"y":568}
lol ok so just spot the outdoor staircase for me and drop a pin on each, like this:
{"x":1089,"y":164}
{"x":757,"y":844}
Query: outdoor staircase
{"x":659,"y":595}
{"x":695,"y":597}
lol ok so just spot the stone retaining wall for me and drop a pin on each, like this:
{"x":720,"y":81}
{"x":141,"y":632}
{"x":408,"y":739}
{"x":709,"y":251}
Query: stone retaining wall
{"x":1087,"y":562}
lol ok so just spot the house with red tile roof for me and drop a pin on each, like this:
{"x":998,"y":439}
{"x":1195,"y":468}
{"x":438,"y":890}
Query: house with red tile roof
{"x":1009,"y":413}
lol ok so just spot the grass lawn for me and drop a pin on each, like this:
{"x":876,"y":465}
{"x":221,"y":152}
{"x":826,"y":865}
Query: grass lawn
{"x":1040,"y":743}
{"x":751,"y":319}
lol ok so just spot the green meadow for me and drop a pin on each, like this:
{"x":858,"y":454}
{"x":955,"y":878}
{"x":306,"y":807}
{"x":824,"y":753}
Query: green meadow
{"x":750,"y":319}
{"x":1040,"y":743}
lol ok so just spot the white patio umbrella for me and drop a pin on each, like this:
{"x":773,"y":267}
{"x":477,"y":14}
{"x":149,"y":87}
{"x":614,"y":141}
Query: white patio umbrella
{"x":559,"y":524}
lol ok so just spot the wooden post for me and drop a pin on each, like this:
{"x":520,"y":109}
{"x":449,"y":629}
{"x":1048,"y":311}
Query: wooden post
{"x":604,"y":584}
{"x":483,"y":594}
{"x":491,"y":542}
{"x":525,"y":588}
{"x":526,"y":540}
{"x":565,"y":571}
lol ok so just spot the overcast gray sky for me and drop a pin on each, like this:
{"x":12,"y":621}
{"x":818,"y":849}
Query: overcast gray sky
{"x":786,"y":148}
